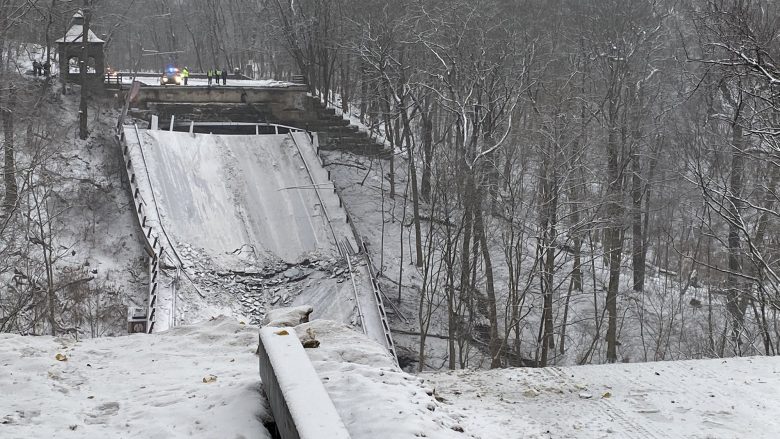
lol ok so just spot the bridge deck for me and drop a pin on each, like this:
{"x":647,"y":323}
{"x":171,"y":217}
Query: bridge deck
{"x":153,"y":80}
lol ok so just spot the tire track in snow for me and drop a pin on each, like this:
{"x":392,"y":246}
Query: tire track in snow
{"x":630,"y":426}
{"x":697,"y":395}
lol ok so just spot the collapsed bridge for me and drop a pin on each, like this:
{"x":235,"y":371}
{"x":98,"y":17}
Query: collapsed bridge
{"x":227,"y":206}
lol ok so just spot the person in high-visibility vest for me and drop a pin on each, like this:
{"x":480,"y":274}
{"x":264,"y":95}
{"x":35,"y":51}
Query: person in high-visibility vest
{"x":217,"y":74}
{"x":185,"y":73}
{"x":210,"y":74}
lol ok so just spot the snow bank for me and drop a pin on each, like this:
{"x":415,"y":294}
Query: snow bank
{"x":192,"y":381}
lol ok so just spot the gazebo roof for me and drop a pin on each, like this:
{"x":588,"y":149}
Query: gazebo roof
{"x":74,"y":34}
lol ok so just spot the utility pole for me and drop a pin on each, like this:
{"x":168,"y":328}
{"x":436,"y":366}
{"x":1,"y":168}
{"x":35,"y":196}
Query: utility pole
{"x":83,"y":72}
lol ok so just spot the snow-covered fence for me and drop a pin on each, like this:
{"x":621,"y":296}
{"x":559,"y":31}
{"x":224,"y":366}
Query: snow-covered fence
{"x":300,"y":404}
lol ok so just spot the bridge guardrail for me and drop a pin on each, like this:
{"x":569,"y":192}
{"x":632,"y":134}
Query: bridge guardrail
{"x":113,"y":79}
{"x":343,"y":247}
{"x":300,"y":403}
{"x":152,"y":242}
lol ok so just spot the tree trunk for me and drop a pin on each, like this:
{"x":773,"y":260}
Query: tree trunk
{"x":613,"y":241}
{"x":637,"y":233}
{"x":549,"y":217}
{"x":9,"y":165}
{"x":427,"y":150}
{"x":415,"y":191}
{"x":735,"y":301}
{"x":495,"y":342}
{"x":576,"y":272}
{"x":346,"y":86}
{"x":363,"y":91}
{"x":83,"y":133}
{"x":465,"y":260}
{"x":564,"y":320}
{"x":452,"y":321}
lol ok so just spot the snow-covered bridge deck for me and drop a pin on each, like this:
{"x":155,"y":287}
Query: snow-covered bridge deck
{"x":244,"y":199}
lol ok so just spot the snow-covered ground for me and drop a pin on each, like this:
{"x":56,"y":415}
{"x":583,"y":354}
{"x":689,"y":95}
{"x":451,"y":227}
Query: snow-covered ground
{"x":373,"y":396}
{"x":202,"y":381}
{"x":730,"y":398}
{"x":198,"y":381}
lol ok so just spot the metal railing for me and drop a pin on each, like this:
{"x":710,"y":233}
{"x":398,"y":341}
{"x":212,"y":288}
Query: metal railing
{"x":344,"y":250}
{"x":152,"y":242}
{"x":276,"y":126}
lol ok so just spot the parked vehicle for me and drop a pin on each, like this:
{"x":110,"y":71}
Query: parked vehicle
{"x":171,"y":76}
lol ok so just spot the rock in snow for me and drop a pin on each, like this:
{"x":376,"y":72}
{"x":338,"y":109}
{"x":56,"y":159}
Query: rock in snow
{"x":288,"y":316}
